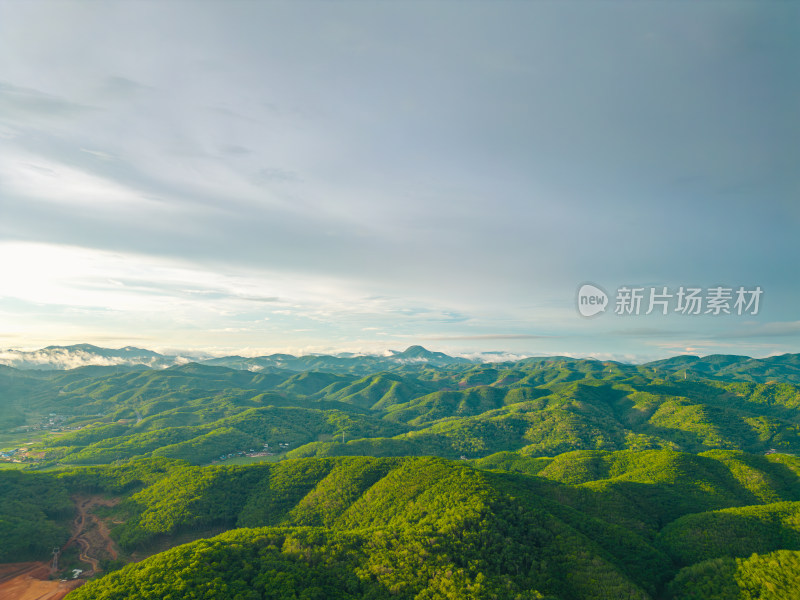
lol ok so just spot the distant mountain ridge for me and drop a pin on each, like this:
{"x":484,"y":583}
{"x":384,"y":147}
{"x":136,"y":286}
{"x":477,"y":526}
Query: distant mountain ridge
{"x":197,"y":411}
{"x":80,"y":355}
{"x":784,"y":368}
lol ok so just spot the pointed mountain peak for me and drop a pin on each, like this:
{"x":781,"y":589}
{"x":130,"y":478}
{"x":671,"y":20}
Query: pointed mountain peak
{"x":418,"y":352}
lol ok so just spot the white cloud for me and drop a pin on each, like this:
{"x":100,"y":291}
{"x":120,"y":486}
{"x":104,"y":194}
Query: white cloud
{"x":69,"y":285}
{"x":245,"y":151}
{"x":64,"y":359}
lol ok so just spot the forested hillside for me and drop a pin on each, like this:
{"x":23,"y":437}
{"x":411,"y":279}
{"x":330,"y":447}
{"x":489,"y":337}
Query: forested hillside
{"x":587,"y":524}
{"x":539,"y":407}
{"x":542,"y":478}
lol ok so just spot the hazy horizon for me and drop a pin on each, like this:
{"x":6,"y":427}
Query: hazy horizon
{"x":75,"y":359}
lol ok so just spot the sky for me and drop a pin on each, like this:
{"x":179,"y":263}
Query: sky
{"x":257,"y":177}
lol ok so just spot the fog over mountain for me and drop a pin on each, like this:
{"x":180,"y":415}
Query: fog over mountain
{"x":82,"y":355}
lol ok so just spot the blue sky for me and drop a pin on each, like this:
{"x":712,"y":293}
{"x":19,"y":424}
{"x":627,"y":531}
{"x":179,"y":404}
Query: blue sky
{"x":324,"y":176}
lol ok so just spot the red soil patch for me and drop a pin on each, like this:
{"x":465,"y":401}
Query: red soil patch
{"x":29,"y":581}
{"x":90,"y":533}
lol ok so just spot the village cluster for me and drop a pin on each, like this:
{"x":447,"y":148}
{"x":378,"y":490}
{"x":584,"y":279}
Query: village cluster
{"x":266,"y":450}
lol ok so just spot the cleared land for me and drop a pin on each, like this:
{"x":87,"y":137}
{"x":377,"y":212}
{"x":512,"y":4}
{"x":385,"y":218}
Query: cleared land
{"x":29,"y":581}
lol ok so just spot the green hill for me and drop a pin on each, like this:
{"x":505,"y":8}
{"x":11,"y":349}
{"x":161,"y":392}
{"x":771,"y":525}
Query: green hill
{"x":580,"y":479}
{"x":581,"y":525}
{"x":540,"y":408}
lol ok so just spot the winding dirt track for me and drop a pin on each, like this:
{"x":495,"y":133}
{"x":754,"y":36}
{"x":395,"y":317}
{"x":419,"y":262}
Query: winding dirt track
{"x":84,"y":557}
{"x":30,"y":580}
{"x":85,"y":522}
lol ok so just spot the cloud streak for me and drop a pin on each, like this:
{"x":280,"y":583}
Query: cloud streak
{"x":471,"y":179}
{"x":19,"y":102}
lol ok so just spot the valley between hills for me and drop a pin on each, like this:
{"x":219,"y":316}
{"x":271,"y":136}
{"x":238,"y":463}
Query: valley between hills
{"x":414,"y":475}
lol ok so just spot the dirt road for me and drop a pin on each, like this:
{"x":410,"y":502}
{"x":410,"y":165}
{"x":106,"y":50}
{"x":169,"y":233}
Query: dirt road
{"x":30,"y":580}
{"x":91,"y":534}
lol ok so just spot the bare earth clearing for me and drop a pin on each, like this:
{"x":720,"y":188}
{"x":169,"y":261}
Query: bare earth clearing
{"x":31,"y":580}
{"x":91,"y":534}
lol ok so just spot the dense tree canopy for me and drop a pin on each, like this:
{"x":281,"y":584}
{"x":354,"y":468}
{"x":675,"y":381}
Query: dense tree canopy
{"x":576,"y":480}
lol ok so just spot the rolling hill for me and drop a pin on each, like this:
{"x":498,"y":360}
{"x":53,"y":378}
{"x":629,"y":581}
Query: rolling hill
{"x":577,"y":479}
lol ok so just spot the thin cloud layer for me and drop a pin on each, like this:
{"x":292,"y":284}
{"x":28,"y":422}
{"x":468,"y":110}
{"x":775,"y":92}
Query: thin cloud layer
{"x":470,"y":165}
